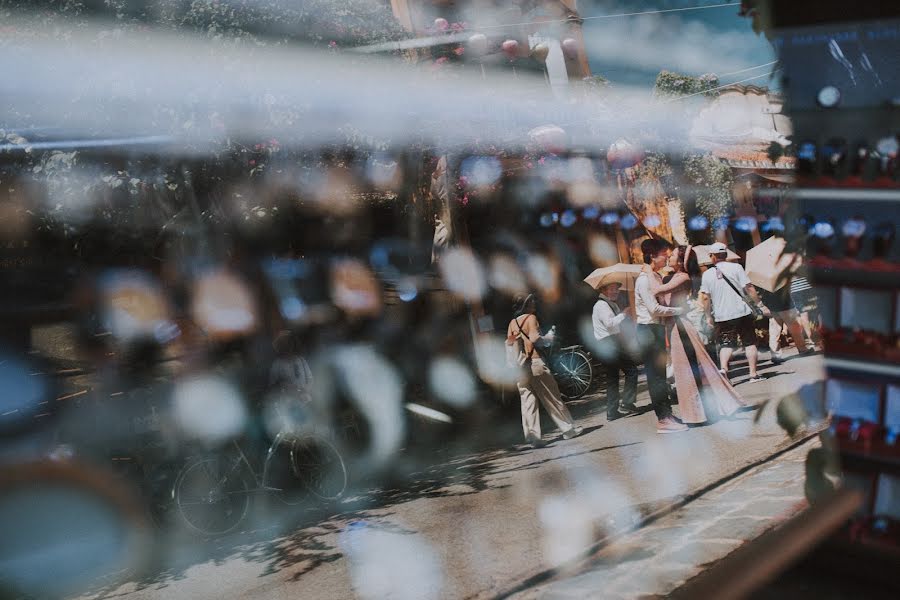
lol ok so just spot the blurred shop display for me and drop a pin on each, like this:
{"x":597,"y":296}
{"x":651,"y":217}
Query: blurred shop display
{"x":841,"y":80}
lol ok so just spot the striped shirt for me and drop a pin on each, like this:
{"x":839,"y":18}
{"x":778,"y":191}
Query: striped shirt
{"x":800,"y":284}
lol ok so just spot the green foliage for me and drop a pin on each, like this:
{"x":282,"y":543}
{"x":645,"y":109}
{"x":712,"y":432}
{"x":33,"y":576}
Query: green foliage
{"x":656,"y":169}
{"x":712,"y":181}
{"x":332,"y":23}
{"x":776,"y":151}
{"x":669,"y":84}
{"x":655,"y":165}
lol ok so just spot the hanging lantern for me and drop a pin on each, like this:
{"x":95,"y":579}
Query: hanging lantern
{"x":570,"y":47}
{"x":549,"y":138}
{"x":622,"y":155}
{"x":510,"y":48}
{"x":540,"y":52}
{"x":441,"y":24}
{"x":478,"y":44}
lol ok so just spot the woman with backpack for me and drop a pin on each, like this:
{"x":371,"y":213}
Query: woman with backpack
{"x":523,"y":338}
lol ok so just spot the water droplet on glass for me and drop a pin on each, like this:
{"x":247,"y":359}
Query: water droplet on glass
{"x":609,"y":218}
{"x":407,"y":290}
{"x":481,"y":171}
{"x":223,"y":305}
{"x":505,"y":275}
{"x":698,"y":223}
{"x":451,"y":380}
{"x":463,"y":274}
{"x":208,"y":408}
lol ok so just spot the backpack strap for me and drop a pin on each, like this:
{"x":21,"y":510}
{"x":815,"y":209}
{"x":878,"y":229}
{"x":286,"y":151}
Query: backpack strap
{"x":753,"y":309}
{"x":612,"y":306}
{"x":521,"y":333}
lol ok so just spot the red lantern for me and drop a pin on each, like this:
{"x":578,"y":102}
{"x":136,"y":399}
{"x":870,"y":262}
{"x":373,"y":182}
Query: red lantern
{"x":549,"y":138}
{"x":441,"y":24}
{"x":570,"y":47}
{"x":510,"y":48}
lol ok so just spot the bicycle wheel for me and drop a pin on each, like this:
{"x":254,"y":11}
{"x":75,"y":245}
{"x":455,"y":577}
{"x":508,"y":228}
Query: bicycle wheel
{"x":574,"y":373}
{"x":319,"y":467}
{"x":212,"y":495}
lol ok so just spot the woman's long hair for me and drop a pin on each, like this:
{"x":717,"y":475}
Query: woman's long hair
{"x":688,"y":263}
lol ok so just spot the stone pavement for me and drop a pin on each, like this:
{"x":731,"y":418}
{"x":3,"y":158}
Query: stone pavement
{"x":660,"y":557}
{"x":479,"y":523}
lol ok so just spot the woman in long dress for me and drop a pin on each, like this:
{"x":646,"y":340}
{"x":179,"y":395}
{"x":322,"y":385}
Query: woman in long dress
{"x":704,"y":394}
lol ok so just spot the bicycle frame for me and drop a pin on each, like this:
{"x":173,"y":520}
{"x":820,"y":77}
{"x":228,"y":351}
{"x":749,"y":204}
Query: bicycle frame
{"x":242,"y":461}
{"x":263,"y":481}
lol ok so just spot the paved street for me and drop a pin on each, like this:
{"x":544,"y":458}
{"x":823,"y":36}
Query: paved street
{"x":478,"y":525}
{"x":655,"y":560}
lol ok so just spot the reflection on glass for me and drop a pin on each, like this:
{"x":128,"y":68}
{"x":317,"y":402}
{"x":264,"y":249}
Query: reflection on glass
{"x":806,"y":158}
{"x":861,"y":483}
{"x":827,"y":303}
{"x":892,"y":407}
{"x":834,"y":156}
{"x":868,"y":310}
{"x":887,"y":501}
{"x":852,"y":400}
{"x":897,"y":313}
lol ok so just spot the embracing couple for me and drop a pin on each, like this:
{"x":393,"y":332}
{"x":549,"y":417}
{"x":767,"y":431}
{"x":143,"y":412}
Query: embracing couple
{"x":704,"y":393}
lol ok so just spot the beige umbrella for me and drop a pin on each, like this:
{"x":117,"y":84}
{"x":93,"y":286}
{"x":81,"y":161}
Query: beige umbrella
{"x":704,"y":259}
{"x":767,"y":261}
{"x":617,"y":273}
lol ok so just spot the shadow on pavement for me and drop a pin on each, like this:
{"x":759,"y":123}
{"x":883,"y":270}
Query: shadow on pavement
{"x":300,"y":539}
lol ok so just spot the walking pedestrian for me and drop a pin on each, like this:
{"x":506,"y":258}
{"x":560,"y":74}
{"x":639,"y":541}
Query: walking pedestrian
{"x":726,"y":295}
{"x":783,"y":313}
{"x":804,"y":300}
{"x":651,"y":332}
{"x":607,"y":319}
{"x":704,"y":394}
{"x":537,"y":383}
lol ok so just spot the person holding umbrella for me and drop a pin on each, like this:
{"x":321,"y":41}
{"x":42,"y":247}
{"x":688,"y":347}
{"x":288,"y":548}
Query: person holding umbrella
{"x":769,"y":268}
{"x":607,"y":319}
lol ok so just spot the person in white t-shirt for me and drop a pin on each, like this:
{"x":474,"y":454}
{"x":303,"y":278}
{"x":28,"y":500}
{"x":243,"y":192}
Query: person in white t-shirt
{"x":727,"y":309}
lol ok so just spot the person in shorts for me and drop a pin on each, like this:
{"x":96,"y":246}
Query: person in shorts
{"x":783,"y":313}
{"x":727,"y":309}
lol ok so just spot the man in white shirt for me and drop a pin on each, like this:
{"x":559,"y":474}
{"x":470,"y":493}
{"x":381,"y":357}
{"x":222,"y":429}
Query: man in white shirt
{"x":727,"y":310}
{"x":651,"y":332}
{"x":607,"y":319}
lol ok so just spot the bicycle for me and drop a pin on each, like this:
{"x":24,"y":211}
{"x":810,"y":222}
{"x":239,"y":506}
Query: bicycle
{"x":572,"y":369}
{"x":212,"y":493}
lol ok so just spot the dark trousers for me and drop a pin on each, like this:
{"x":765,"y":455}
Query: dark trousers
{"x":613,"y":363}
{"x":652,"y":340}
